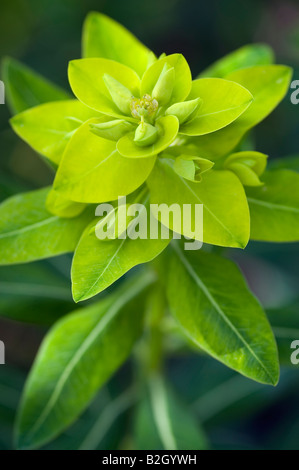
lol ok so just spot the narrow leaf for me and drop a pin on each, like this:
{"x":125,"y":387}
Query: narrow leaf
{"x":163,"y":423}
{"x":274,"y":207}
{"x":77,"y":357}
{"x":209,"y":298}
{"x":26,"y":89}
{"x":246,"y":56}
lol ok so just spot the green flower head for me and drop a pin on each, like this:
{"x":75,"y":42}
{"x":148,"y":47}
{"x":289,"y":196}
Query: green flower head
{"x":138,"y":120}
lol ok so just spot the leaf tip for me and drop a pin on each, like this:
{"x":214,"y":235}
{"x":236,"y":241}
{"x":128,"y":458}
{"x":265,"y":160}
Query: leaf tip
{"x":78,"y":296}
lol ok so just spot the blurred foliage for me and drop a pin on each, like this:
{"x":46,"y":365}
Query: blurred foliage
{"x":235,"y":412}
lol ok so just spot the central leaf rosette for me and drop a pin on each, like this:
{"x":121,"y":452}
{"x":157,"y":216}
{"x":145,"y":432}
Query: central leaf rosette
{"x":145,"y":115}
{"x":106,"y":143}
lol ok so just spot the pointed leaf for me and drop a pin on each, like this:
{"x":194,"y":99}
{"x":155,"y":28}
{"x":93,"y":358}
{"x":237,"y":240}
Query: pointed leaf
{"x":163,"y":423}
{"x":77,"y":357}
{"x":26,"y":89}
{"x":268,"y":86}
{"x":246,"y":56}
{"x":104,"y":37}
{"x":209,"y":298}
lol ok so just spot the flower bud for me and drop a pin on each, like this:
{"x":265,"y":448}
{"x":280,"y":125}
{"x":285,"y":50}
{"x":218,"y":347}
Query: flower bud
{"x":120,"y":95}
{"x":164,"y":87}
{"x":191,"y":167}
{"x":111,"y":130}
{"x":184,"y":111}
{"x":145,"y":134}
{"x":246,"y":175}
{"x":248,"y":166}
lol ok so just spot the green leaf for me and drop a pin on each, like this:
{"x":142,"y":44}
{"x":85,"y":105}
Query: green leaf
{"x":274,"y":208}
{"x":99,"y":263}
{"x":225,"y":209}
{"x":26,"y":89}
{"x":210,"y":299}
{"x":29,"y":232}
{"x":182,"y":85}
{"x":246,"y":56}
{"x":168,"y":127}
{"x":286,"y":163}
{"x":58,"y":205}
{"x":103,"y":174}
{"x":223,"y":101}
{"x":268,"y":85}
{"x":104,"y":37}
{"x":77,"y":357}
{"x":49,"y":127}
{"x":226,"y":393}
{"x":163,"y":423}
{"x":86,"y":80}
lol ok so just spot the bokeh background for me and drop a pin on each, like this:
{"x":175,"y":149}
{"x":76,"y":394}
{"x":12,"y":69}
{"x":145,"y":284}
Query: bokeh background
{"x":235,"y":412}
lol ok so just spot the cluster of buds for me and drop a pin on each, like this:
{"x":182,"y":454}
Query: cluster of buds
{"x":144,"y":110}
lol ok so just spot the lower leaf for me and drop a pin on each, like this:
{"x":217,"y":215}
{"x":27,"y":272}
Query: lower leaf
{"x":162,"y":423}
{"x":209,"y":298}
{"x":77,"y":357}
{"x":29,"y":232}
{"x":274,"y":208}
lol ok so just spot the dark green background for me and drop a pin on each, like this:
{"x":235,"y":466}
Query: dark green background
{"x":46,"y":34}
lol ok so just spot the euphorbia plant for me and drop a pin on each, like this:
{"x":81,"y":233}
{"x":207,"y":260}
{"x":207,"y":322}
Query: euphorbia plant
{"x":140,"y":127}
